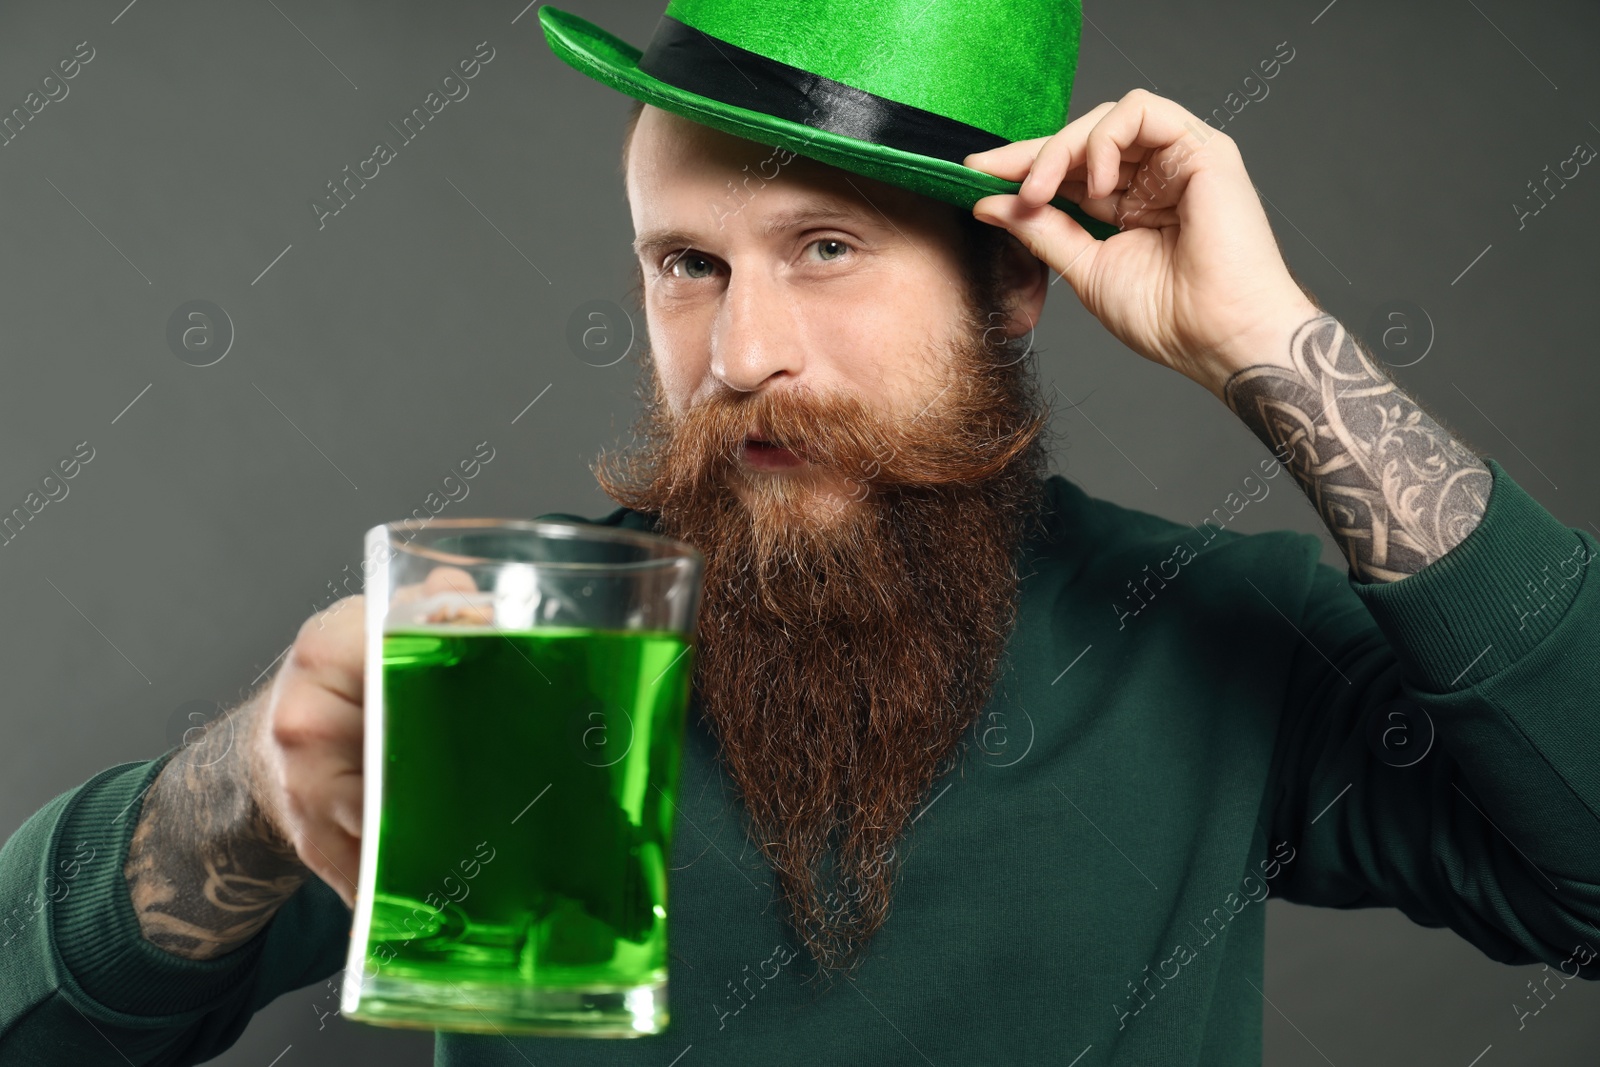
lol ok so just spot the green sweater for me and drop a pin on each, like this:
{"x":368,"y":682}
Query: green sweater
{"x":1190,"y":718}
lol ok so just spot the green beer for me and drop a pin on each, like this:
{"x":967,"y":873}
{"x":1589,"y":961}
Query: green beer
{"x":526,"y":823}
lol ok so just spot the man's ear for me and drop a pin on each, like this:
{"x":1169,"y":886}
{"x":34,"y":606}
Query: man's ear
{"x":1025,"y":282}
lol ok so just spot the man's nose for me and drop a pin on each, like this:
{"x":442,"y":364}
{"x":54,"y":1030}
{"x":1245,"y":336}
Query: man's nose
{"x":757,"y":334}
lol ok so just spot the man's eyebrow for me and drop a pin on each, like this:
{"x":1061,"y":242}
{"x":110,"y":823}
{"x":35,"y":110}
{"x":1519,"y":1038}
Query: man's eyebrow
{"x":799,"y":218}
{"x":655,"y":241}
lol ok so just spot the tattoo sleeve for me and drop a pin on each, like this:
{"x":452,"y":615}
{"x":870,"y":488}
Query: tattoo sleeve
{"x":1396,"y":490}
{"x":205,"y":868}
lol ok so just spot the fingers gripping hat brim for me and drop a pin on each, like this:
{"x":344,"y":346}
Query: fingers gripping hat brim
{"x":613,"y":62}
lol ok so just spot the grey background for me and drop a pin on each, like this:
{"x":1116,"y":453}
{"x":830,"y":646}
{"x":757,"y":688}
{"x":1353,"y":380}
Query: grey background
{"x":378,"y":351}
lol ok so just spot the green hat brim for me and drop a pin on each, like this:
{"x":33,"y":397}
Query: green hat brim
{"x":592,"y":51}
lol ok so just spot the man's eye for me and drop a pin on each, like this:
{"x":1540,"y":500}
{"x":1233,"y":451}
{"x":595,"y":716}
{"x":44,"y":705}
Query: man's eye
{"x":829,"y":247}
{"x":690,"y":265}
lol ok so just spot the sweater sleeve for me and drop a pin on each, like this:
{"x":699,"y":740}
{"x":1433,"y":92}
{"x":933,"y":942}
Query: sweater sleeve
{"x":80,"y":985}
{"x":1439,"y":748}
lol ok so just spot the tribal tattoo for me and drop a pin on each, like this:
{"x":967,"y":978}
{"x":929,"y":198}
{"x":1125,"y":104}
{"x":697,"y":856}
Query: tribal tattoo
{"x":1394,"y":487}
{"x":206,"y":869}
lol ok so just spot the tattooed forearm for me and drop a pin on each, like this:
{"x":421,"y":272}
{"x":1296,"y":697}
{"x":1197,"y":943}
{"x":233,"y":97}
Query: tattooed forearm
{"x":205,"y":869}
{"x":1396,"y":490}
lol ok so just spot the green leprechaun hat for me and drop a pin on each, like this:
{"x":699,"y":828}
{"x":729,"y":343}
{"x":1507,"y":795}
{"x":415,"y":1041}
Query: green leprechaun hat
{"x":896,"y":90}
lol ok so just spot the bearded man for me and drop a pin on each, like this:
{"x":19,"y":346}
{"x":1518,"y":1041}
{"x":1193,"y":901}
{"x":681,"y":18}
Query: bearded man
{"x":861,"y":564}
{"x":839,"y":412}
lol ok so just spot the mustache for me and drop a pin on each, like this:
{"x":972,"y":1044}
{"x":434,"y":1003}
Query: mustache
{"x":953,"y":439}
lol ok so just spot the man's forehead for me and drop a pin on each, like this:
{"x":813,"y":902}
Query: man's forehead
{"x":665,"y":141}
{"x":679,"y":175}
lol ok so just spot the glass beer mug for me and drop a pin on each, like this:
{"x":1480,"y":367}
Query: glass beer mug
{"x":523,"y":734}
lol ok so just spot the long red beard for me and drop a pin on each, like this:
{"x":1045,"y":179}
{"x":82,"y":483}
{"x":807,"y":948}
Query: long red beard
{"x":843,"y":654}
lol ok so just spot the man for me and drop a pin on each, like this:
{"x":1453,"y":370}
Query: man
{"x":838,"y":410}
